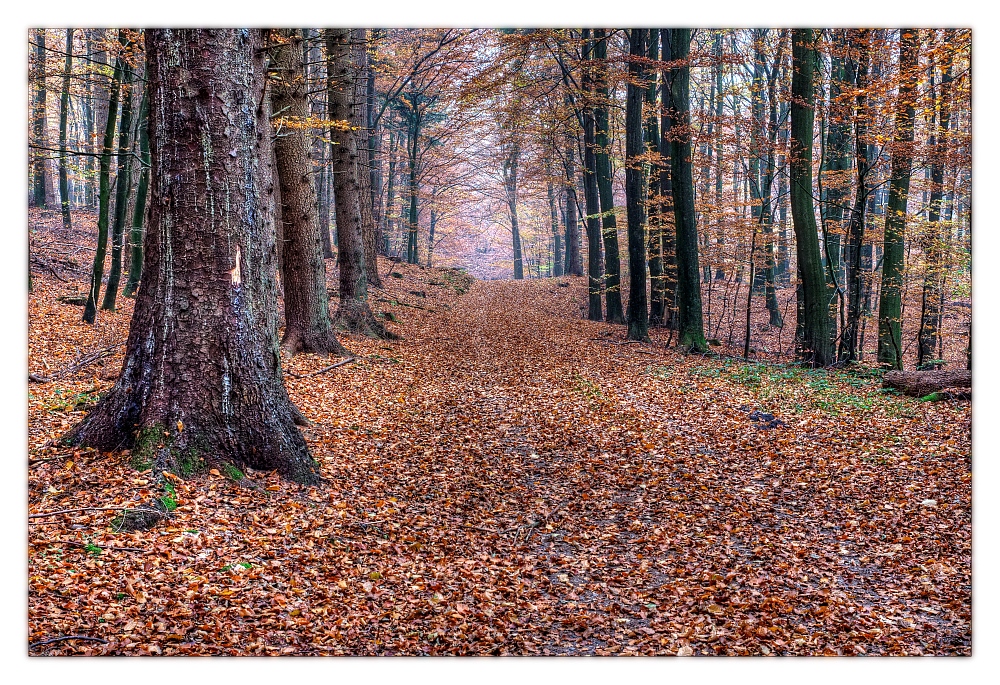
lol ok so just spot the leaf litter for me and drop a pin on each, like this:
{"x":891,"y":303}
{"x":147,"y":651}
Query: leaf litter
{"x":499,"y":481}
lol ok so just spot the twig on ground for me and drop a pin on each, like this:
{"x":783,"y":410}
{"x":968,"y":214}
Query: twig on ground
{"x":73,"y":511}
{"x":84,"y":361}
{"x":67,"y":637}
{"x":323,"y":370}
{"x":84,"y":546}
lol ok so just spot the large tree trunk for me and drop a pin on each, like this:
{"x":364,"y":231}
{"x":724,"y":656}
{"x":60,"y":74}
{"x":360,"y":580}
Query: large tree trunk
{"x":123,"y":182}
{"x":104,"y":200}
{"x":307,"y":315}
{"x":813,"y":321}
{"x":668,"y":230}
{"x":64,"y":191}
{"x":654,"y":238}
{"x":360,"y":121}
{"x":354,"y":313}
{"x":202,"y":375}
{"x":890,"y":315}
{"x":595,"y":267}
{"x":690,"y":328}
{"x":615,"y":312}
{"x":638,"y":315}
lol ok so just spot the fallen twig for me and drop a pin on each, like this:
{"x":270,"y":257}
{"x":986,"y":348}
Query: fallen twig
{"x":84,"y":546}
{"x":84,"y":361}
{"x":73,"y":511}
{"x":324,"y":369}
{"x":67,"y":637}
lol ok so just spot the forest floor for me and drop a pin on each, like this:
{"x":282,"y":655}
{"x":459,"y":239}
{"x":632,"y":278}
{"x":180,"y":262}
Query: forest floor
{"x":510,"y":479}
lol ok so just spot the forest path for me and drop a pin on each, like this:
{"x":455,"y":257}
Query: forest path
{"x":510,"y":479}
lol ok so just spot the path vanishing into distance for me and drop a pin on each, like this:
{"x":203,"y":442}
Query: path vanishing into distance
{"x":511,"y":479}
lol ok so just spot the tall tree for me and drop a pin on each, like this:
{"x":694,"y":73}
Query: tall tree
{"x":137,"y":234}
{"x":595,"y":267}
{"x":815,"y":346}
{"x":104,"y":199}
{"x":354,"y":313}
{"x":612,"y":261}
{"x":934,"y":239}
{"x":40,"y":183}
{"x":123,"y":186}
{"x":64,"y":190}
{"x":638,"y":315}
{"x":361,"y":119}
{"x":574,"y":258}
{"x":848,"y":348}
{"x":307,"y":317}
{"x":654,"y":240}
{"x":557,"y":256}
{"x":890,"y":316}
{"x":201,"y":378}
{"x":690,"y":329}
{"x":668,"y":231}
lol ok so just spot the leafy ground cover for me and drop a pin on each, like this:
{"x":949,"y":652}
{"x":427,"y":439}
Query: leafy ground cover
{"x":509,"y":479}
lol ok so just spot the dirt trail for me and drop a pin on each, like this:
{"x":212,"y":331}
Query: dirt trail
{"x":511,"y":479}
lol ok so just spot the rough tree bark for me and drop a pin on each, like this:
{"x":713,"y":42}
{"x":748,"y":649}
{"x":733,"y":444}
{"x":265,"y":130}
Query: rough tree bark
{"x":813,"y":322}
{"x":637,"y":315}
{"x":202,"y":379}
{"x":360,"y":121}
{"x":307,"y":316}
{"x":923,"y":383}
{"x":354,"y":313}
{"x":890,"y":317}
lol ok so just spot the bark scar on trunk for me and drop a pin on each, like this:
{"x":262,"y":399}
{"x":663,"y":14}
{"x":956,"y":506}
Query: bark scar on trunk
{"x":235,"y":273}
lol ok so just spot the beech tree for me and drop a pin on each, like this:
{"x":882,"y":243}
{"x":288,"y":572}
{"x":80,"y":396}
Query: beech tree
{"x":638,"y":315}
{"x":813,"y":329}
{"x":890,"y":345}
{"x":609,"y":225}
{"x":201,"y":378}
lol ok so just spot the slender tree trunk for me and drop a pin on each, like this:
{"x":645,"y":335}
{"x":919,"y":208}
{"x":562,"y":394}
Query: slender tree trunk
{"x":813,"y":320}
{"x":638,"y":314}
{"x":64,"y":191}
{"x":104,"y":200}
{"x":123,"y":181}
{"x":202,"y":379}
{"x":612,"y":261}
{"x":934,"y":240}
{"x":510,"y":185}
{"x":848,"y":349}
{"x":39,"y":124}
{"x":413,"y":190}
{"x":890,"y":317}
{"x":137,"y":236}
{"x":557,"y":257}
{"x":574,"y":258}
{"x":691,"y":334}
{"x":307,"y":316}
{"x":354,"y":313}
{"x":595,"y":266}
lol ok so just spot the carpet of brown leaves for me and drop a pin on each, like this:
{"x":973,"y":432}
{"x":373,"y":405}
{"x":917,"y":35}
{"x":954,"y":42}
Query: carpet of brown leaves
{"x":511,"y":479}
